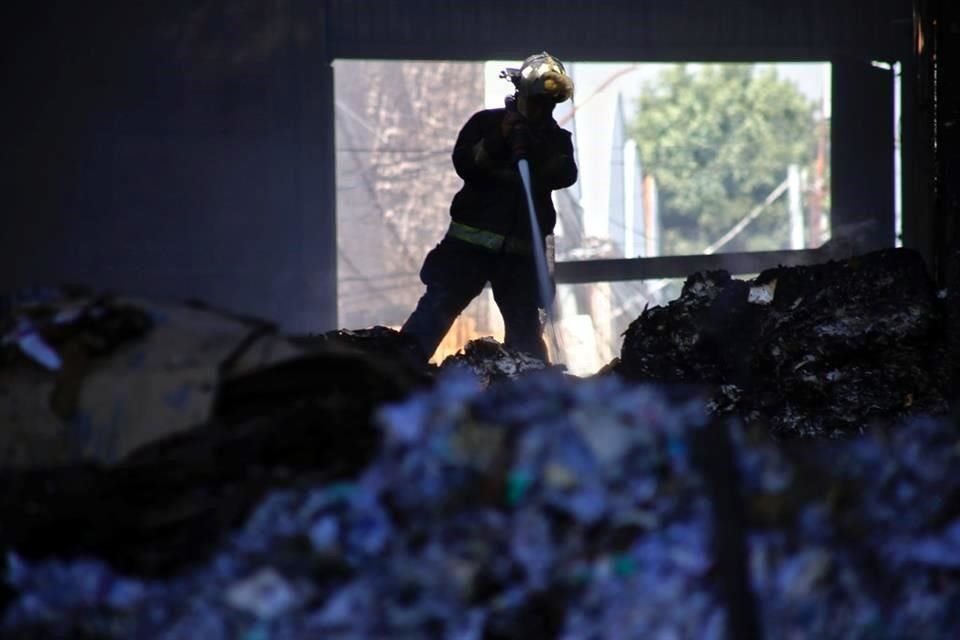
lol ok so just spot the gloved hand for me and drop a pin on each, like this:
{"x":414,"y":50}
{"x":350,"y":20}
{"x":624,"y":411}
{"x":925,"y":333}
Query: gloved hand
{"x":510,"y":118}
{"x":519,"y":139}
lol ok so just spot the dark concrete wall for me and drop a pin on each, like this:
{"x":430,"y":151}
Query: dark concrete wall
{"x":179,"y":152}
{"x":634,"y":30}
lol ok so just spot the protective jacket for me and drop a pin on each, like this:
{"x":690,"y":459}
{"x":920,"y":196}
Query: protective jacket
{"x":492,"y":196}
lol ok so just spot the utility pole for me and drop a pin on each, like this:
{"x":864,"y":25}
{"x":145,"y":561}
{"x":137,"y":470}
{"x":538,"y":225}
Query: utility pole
{"x":796,"y":211}
{"x":815,"y":232}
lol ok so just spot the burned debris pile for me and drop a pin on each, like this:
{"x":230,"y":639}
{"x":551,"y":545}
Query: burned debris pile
{"x":333,"y":486}
{"x":491,"y":361}
{"x":817,"y":350}
{"x":486,"y":358}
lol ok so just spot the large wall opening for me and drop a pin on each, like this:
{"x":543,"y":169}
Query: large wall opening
{"x":675,"y":160}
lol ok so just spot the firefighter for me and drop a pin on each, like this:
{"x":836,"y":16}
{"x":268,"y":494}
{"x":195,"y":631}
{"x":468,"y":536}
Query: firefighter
{"x":489,"y":238}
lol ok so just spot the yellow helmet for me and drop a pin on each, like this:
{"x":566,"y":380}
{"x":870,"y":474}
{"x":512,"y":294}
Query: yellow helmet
{"x":541,"y":74}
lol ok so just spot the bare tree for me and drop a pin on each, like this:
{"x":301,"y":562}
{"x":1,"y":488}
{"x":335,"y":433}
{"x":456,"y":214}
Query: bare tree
{"x":396,"y":126}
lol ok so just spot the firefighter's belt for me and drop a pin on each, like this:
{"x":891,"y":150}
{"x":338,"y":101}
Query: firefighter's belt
{"x":488,"y":239}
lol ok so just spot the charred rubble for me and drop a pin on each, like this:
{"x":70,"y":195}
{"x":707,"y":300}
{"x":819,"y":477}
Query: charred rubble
{"x":339,"y":488}
{"x":485,"y":358}
{"x":821,"y":350}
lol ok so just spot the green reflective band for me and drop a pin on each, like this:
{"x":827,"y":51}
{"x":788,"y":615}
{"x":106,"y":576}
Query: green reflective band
{"x":487,"y":239}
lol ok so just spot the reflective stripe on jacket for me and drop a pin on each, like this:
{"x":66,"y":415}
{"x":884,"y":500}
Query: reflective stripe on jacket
{"x":488,"y":239}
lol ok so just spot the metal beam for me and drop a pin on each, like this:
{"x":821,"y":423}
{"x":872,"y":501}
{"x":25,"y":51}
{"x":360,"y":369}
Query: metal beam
{"x":622,"y":269}
{"x":604,"y":30}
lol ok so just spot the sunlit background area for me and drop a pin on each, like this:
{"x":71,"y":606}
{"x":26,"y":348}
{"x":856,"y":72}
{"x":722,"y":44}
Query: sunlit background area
{"x":675,"y":159}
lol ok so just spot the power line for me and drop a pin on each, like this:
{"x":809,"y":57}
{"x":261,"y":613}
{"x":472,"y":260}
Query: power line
{"x":387,"y":223}
{"x":377,"y":292}
{"x":750,"y":217}
{"x":380,"y":276}
{"x":600,"y":89}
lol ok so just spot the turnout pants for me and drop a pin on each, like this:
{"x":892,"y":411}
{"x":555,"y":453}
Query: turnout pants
{"x":455,"y":272}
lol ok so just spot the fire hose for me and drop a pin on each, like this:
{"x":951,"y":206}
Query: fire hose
{"x":539,"y":254}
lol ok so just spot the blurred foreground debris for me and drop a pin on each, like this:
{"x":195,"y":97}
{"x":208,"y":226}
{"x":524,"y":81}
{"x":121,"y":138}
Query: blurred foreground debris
{"x":87,"y":377}
{"x":818,"y":350}
{"x":166,"y":505}
{"x":181,"y":419}
{"x":550,"y":507}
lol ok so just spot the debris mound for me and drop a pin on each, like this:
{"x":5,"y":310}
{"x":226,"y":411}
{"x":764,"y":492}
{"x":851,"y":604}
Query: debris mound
{"x":491,"y":361}
{"x":818,"y":350}
{"x":388,"y":345}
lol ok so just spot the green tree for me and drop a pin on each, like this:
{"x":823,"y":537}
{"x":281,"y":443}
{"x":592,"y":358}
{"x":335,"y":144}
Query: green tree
{"x":718,"y":139}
